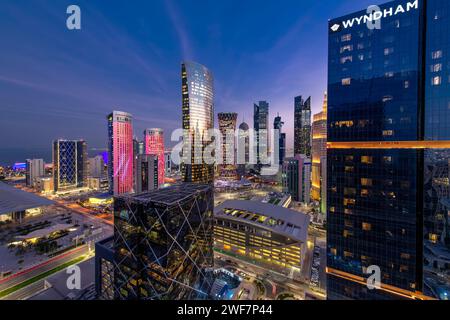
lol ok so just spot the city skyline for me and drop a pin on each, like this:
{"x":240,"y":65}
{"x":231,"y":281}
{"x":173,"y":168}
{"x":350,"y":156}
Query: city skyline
{"x":72,"y":90}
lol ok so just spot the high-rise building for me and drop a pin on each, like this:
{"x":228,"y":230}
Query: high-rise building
{"x":34,"y":169}
{"x":227,"y":127}
{"x":261,"y":128}
{"x":296,"y":176}
{"x":147,"y":176}
{"x":388,"y":152}
{"x":96,"y":166}
{"x":319,"y":158}
{"x":302,"y":126}
{"x":154,"y":145}
{"x":278,"y":125}
{"x":198,"y":118}
{"x":104,"y":269}
{"x":163,"y":243}
{"x":120,"y":152}
{"x":70,"y":164}
{"x":243,"y":148}
{"x":168,"y":161}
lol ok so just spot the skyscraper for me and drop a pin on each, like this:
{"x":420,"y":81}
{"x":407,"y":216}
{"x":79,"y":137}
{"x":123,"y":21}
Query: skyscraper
{"x":261,"y":127}
{"x":243,"y":148}
{"x":319,"y":157}
{"x":296,"y":176}
{"x":34,"y":169}
{"x":96,"y":167}
{"x":120,"y":156}
{"x":227,"y":127}
{"x":163,"y":242}
{"x":278,"y":125}
{"x":147,"y":177}
{"x":388,"y":152}
{"x":198,"y":118}
{"x":302,"y":126}
{"x":70,"y":164}
{"x":154,"y":145}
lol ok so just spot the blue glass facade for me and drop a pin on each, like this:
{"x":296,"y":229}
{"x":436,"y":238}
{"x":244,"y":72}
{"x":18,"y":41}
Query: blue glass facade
{"x":387,"y":184}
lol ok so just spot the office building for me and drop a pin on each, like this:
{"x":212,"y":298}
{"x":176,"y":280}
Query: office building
{"x":263,"y":234}
{"x":163,"y":243}
{"x":296,"y":178}
{"x":154,"y":145}
{"x":388,"y":151}
{"x":243,"y":149}
{"x":302,"y":126}
{"x":319,"y":158}
{"x":120,"y":152}
{"x":34,"y":169}
{"x":70,"y":164}
{"x":278,"y":125}
{"x":227,"y":127}
{"x":104,"y":269}
{"x":261,"y":128}
{"x":147,"y":177}
{"x":198,"y":118}
{"x":96,"y":167}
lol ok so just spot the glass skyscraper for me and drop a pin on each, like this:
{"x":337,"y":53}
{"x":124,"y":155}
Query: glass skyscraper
{"x":198,"y":118}
{"x":154,"y":145}
{"x":261,"y":127}
{"x":163,"y":243}
{"x":302,"y":126}
{"x":69,"y":164}
{"x":120,"y":152}
{"x":387,"y":167}
{"x":227,"y":126}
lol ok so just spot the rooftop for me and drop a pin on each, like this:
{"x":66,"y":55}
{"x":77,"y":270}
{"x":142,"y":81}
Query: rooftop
{"x":278,"y":219}
{"x":169,"y":195}
{"x":16,"y":200}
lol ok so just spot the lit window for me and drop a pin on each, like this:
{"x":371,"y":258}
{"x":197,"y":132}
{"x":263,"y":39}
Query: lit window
{"x":436,"y":54}
{"x":346,"y":59}
{"x":366,"y":160}
{"x":436,"y":81}
{"x":346,"y":48}
{"x":366,"y":226}
{"x":348,"y":254}
{"x":388,"y":133}
{"x":436,"y":67}
{"x":346,"y":37}
{"x":388,"y":51}
{"x":366,"y":182}
{"x":346,"y":81}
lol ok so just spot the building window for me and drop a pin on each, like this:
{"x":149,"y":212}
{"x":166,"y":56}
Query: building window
{"x":436,"y":81}
{"x":346,"y":59}
{"x":366,"y":160}
{"x":346,"y":37}
{"x":366,"y":182}
{"x":366,"y":226}
{"x":436,"y":67}
{"x":346,"y":81}
{"x":436,"y":54}
{"x":347,"y":48}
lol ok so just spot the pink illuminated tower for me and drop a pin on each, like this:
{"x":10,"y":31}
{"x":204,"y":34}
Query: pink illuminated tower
{"x":120,"y":156}
{"x":154,"y":145}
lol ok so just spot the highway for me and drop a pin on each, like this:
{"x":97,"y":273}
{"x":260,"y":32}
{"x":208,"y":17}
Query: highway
{"x":48,"y":265}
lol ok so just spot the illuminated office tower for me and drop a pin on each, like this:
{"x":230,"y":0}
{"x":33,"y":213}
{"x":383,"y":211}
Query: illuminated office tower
{"x":70,"y":164}
{"x":154,"y":145}
{"x":388,"y":152}
{"x":227,"y":125}
{"x":319,"y":157}
{"x":296,"y":178}
{"x":243,"y":148}
{"x":198,"y":118}
{"x":302,"y":126}
{"x":120,"y":147}
{"x":147,"y":177}
{"x":163,"y":243}
{"x":34,"y":169}
{"x":278,"y":125}
{"x":261,"y":127}
{"x":96,"y":167}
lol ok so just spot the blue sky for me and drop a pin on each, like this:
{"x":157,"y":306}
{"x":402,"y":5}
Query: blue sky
{"x":56,"y":83}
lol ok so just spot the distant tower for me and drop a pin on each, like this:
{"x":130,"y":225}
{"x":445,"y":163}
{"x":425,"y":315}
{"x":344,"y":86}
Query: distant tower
{"x":243,"y":148}
{"x":154,"y":145}
{"x":198,"y":118}
{"x":120,"y":147}
{"x":227,"y":123}
{"x":302,"y":126}
{"x":70,"y":164}
{"x":278,"y":125}
{"x":261,"y":127}
{"x":319,"y":157}
{"x":147,"y":173}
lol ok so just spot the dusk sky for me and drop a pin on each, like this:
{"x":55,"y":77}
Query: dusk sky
{"x":56,"y":83}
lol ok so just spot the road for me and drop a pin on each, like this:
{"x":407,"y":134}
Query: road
{"x":48,"y":265}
